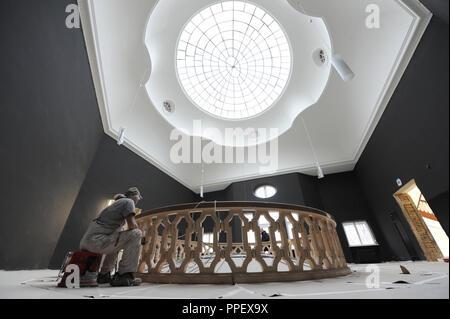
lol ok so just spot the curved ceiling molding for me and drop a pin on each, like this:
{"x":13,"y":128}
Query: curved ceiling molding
{"x":340,"y":123}
{"x":308,"y":79}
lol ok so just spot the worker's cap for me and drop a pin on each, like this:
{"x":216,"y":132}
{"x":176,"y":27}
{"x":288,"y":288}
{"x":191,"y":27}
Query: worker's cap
{"x":133,"y":191}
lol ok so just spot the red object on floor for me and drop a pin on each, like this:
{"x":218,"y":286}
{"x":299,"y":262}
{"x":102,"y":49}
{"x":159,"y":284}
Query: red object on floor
{"x":88,"y":263}
{"x":446,"y":260}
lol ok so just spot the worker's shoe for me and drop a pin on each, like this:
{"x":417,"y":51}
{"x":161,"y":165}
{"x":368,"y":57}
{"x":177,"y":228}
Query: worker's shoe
{"x":104,"y":278}
{"x":125,"y":280}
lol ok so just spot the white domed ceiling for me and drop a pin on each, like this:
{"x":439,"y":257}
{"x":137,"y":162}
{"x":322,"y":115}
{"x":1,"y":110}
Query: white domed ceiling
{"x":136,"y":47}
{"x":234,"y":64}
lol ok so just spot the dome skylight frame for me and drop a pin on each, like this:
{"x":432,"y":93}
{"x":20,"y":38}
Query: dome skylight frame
{"x":257,"y":85}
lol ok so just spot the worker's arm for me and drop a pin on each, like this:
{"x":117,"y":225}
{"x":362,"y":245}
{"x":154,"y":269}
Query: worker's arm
{"x":131,"y":222}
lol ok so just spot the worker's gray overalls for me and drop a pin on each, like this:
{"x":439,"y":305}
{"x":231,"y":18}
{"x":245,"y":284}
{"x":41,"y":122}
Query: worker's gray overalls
{"x":101,"y":240}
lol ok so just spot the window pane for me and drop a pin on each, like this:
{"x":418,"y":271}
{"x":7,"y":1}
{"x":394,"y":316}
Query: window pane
{"x":365,"y":234}
{"x":260,"y":192}
{"x":265,"y":191}
{"x":270,"y":191}
{"x":352,"y":235}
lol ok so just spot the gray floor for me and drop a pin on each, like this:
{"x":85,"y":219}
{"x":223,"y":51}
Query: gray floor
{"x":427,"y":280}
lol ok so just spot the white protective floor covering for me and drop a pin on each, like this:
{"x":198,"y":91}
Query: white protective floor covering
{"x":427,"y":280}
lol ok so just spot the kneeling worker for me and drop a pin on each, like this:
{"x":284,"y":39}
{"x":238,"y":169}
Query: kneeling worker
{"x":104,"y":237}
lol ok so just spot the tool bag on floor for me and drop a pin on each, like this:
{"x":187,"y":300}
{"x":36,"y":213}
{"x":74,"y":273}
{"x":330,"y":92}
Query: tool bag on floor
{"x":87,"y":262}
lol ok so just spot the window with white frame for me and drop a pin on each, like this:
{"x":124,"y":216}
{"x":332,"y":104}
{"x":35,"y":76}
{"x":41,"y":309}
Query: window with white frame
{"x":359,"y":234}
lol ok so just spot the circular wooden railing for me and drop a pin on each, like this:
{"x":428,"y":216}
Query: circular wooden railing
{"x":221,"y":242}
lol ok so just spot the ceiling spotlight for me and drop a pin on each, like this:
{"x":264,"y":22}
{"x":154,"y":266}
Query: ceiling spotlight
{"x":342,"y":68}
{"x":320,"y":173}
{"x":121,"y":136}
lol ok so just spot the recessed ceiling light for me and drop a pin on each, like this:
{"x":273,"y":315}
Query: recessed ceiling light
{"x":169,"y":106}
{"x":320,"y":57}
{"x":233,"y":60}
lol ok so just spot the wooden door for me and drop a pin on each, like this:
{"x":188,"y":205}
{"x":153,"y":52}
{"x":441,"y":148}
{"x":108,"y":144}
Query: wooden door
{"x":420,"y":229}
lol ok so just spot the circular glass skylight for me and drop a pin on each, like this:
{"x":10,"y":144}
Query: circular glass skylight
{"x":233,"y":60}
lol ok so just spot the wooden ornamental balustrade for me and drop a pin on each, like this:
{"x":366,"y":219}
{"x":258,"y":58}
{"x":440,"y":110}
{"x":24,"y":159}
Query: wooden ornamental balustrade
{"x":194,"y":244}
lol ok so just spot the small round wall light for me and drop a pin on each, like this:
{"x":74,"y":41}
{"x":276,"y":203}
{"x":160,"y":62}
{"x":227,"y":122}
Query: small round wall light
{"x":265,"y":191}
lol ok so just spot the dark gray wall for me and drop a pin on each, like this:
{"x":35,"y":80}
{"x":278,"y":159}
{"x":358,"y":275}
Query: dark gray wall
{"x":113,"y":170}
{"x":411,"y":139}
{"x":49,"y":128}
{"x":439,"y":8}
{"x":342,"y":197}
